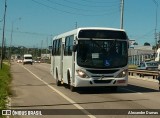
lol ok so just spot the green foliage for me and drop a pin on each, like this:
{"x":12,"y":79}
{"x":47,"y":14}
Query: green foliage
{"x":132,"y":66}
{"x":5,"y":79}
{"x":135,"y":43}
{"x":146,"y":44}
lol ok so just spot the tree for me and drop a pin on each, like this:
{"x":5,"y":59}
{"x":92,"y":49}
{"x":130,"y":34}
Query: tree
{"x":146,"y":44}
{"x":135,"y":43}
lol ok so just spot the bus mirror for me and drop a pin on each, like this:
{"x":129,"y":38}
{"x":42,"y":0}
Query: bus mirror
{"x":75,"y":48}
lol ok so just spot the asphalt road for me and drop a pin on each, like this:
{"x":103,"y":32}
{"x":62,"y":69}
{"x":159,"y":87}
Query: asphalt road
{"x":34,"y":88}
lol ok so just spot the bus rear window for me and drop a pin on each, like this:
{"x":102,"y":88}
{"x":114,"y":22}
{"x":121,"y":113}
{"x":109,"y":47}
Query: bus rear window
{"x":102,"y":34}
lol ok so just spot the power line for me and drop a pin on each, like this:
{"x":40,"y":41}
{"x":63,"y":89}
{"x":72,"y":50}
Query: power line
{"x":29,"y":33}
{"x":77,"y":8}
{"x":147,"y":34}
{"x":89,"y":5}
{"x":32,"y":33}
{"x":74,"y":13}
{"x":155,"y":2}
{"x":112,"y":1}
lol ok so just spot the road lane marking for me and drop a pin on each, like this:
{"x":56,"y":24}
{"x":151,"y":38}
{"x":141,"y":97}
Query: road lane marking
{"x":64,"y":96}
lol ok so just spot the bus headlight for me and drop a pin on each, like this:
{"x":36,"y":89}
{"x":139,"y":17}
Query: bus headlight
{"x":122,"y":74}
{"x":82,"y":74}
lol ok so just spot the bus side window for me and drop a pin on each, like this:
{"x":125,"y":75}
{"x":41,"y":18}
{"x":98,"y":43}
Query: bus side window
{"x":59,"y":47}
{"x":53,"y":49}
{"x":68,"y":45}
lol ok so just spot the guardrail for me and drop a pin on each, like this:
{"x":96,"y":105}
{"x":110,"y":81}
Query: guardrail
{"x":143,"y":73}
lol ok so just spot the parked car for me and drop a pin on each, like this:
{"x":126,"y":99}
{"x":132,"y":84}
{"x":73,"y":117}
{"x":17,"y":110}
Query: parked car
{"x":36,"y":61}
{"x":19,"y":61}
{"x":151,"y":65}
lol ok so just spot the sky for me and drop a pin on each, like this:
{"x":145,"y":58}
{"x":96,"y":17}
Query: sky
{"x":35,"y":22}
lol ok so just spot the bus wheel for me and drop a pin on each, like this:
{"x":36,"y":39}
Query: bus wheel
{"x":58,"y":83}
{"x":72,"y":88}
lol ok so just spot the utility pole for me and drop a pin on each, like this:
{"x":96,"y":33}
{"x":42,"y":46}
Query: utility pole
{"x":159,"y":37}
{"x":156,"y":47}
{"x":47,"y":46}
{"x":41,"y":48}
{"x":156,"y":3}
{"x":156,"y":40}
{"x":122,"y":14}
{"x":10,"y":48}
{"x":2,"y":48}
{"x":156,"y":25}
{"x":10,"y":44}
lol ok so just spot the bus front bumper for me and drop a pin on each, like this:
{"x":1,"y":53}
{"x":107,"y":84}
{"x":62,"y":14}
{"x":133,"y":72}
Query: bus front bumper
{"x":94,"y":82}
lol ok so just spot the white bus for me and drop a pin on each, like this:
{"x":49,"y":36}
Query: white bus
{"x":90,"y":57}
{"x":157,"y":57}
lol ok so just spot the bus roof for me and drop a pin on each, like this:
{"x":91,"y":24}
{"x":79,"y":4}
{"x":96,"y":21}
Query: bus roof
{"x":75,"y":31}
{"x":27,"y":55}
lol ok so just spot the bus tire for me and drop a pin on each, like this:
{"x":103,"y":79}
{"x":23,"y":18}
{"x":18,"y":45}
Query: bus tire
{"x":72,"y":88}
{"x":58,"y":83}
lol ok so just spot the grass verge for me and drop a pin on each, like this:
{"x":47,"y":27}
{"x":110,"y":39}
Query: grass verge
{"x":5,"y":79}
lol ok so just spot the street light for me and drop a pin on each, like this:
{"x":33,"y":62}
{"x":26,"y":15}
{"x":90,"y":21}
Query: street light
{"x":12,"y":37}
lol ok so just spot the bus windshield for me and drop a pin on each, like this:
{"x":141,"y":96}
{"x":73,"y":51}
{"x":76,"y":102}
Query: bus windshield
{"x":28,"y":57}
{"x":102,"y":53}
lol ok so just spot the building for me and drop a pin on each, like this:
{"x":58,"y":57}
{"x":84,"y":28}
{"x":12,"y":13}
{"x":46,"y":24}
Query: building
{"x":138,"y":54}
{"x":45,"y":56}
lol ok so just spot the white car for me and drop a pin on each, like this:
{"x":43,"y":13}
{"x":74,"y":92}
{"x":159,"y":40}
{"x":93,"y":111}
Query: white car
{"x":19,"y":61}
{"x":36,"y":61}
{"x":151,"y":65}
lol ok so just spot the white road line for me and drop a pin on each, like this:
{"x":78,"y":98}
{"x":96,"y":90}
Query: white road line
{"x":131,"y":91}
{"x":64,"y":96}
